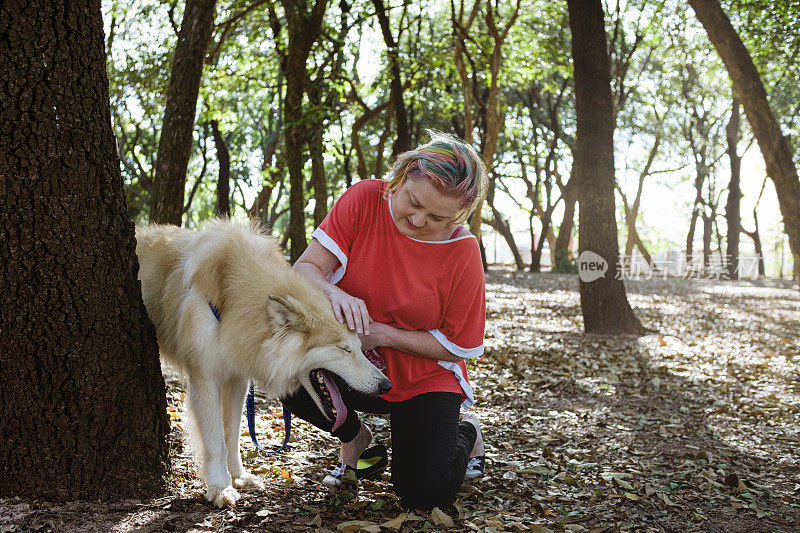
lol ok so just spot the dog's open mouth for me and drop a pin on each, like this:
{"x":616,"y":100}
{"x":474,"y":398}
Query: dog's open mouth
{"x":324,"y":385}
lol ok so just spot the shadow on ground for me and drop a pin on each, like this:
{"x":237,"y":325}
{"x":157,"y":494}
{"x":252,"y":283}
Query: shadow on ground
{"x":691,"y":428}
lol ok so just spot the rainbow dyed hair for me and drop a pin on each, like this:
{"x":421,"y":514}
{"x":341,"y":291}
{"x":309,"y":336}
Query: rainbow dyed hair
{"x":451,"y":165}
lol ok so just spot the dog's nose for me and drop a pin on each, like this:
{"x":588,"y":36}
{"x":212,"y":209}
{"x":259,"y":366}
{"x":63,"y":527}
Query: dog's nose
{"x":384,"y":386}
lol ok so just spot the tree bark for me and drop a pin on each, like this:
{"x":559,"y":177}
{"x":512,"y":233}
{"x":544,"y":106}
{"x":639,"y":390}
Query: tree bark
{"x":175,"y":143}
{"x":223,"y":205}
{"x":303,"y":28}
{"x":748,"y":86}
{"x":732,"y":207}
{"x":604,"y":302}
{"x":82,"y":401}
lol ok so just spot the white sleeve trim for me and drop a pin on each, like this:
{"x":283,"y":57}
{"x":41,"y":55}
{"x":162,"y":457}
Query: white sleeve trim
{"x":325,"y":240}
{"x":455,"y":349}
{"x":468,"y":392}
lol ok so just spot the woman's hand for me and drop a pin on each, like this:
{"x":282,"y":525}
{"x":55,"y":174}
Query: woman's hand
{"x":378,"y":336}
{"x":349,"y":309}
{"x":418,"y":343}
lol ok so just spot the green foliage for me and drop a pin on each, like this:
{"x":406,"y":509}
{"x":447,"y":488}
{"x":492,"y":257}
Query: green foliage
{"x":565,"y":264}
{"x":664,"y":72}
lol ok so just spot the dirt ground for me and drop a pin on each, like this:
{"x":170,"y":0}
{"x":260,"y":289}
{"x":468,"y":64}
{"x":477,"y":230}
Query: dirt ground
{"x":693,"y":427}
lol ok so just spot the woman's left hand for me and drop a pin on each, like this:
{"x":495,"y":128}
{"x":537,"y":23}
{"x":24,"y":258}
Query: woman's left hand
{"x":378,"y":336}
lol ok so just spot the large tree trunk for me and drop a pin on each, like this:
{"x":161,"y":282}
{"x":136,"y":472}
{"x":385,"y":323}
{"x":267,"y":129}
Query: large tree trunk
{"x":604,"y":302}
{"x":223,"y":205}
{"x":82,"y":401}
{"x":303,"y":27}
{"x":732,"y":210}
{"x":747,"y":84}
{"x":175,"y":144}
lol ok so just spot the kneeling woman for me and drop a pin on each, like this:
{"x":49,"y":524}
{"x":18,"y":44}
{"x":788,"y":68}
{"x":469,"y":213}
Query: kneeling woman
{"x":398,"y":267}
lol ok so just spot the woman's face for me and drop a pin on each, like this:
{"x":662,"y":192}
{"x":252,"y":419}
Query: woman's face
{"x":422,"y":212}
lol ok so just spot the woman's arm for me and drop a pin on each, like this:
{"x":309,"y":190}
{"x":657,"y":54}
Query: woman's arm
{"x":418,"y":343}
{"x":316,"y":263}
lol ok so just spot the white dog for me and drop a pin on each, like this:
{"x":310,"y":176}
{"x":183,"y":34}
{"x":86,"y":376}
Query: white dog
{"x":275,"y":328}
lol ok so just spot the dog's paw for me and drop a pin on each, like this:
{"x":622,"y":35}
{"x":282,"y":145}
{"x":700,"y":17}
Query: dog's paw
{"x":222,"y":496}
{"x":248,"y":481}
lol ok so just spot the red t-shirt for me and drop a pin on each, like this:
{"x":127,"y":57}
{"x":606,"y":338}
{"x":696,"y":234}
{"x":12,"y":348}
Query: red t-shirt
{"x":434,"y":286}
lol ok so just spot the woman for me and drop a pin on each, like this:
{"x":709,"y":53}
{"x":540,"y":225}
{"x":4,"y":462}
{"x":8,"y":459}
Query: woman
{"x":399,"y":269}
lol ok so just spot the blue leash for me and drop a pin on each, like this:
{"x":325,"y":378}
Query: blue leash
{"x":251,"y":410}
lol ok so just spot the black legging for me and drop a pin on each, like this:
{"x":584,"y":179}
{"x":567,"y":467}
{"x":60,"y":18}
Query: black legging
{"x":430,"y":448}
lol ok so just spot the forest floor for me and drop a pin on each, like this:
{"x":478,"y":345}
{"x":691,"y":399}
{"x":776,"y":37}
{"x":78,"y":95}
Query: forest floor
{"x":693,"y":427}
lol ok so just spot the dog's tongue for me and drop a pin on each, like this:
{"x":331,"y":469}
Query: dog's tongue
{"x":336,"y":398}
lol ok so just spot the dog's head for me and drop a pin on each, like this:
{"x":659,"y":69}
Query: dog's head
{"x":324,"y":349}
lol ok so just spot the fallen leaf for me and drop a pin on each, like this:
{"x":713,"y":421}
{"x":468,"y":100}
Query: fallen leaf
{"x":396,"y":523}
{"x":440,"y":518}
{"x":377,"y":504}
{"x":353,"y":525}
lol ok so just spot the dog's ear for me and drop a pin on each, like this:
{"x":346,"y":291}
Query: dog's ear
{"x":282,"y":312}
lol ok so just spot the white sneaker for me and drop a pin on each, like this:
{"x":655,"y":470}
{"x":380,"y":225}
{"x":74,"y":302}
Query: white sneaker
{"x":475,"y":467}
{"x":340,"y":474}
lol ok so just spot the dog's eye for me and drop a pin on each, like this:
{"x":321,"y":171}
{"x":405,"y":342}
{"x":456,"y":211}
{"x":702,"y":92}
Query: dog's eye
{"x":346,"y":349}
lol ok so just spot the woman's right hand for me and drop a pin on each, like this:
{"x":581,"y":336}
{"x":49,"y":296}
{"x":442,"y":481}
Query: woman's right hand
{"x":349,"y":309}
{"x":316,"y":263}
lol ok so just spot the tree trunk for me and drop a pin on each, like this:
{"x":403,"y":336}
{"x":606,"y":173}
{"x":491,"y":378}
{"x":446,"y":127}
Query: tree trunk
{"x":699,"y":180}
{"x":82,"y":401}
{"x":568,"y":220}
{"x":269,"y":145}
{"x":502,"y":227}
{"x":303,"y":28}
{"x":604,"y":302}
{"x":632,"y":211}
{"x":175,"y":144}
{"x":491,"y":117}
{"x":403,"y":141}
{"x":634,"y":240}
{"x":223,"y":205}
{"x":732,"y":209}
{"x":536,"y":253}
{"x":747,"y":84}
{"x":461,"y":30}
{"x":316,"y":151}
{"x":708,"y":220}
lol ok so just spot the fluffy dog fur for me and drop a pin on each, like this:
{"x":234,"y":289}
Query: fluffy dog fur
{"x":276,"y":327}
